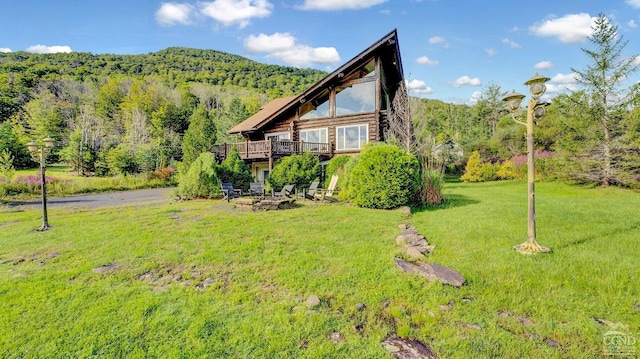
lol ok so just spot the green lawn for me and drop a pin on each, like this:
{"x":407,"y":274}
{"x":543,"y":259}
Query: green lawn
{"x":200,"y":279}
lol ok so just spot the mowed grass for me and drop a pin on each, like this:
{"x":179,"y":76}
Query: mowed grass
{"x":201,"y":279}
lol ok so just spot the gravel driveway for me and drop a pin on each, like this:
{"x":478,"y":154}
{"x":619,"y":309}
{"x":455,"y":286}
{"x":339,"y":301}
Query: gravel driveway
{"x":142,"y":196}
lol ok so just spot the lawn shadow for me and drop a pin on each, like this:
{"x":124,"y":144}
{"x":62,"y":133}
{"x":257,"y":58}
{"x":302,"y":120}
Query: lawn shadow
{"x":451,"y":201}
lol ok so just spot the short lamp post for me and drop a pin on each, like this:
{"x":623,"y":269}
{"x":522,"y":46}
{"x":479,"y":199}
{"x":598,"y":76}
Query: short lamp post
{"x":535,"y":111}
{"x":40,"y":153}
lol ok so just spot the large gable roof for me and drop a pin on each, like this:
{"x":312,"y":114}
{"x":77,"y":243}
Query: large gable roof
{"x":387,"y":47}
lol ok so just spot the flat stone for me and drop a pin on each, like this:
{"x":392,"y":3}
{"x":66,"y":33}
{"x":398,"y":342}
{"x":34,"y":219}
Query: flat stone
{"x":106,"y":268}
{"x":403,"y":226}
{"x":312,"y":301}
{"x":409,"y":238}
{"x":432,"y":272}
{"x":336,"y":337}
{"x":361,"y":306}
{"x":414,"y":254}
{"x":472,"y":326}
{"x":406,"y":210}
{"x":402,"y":348}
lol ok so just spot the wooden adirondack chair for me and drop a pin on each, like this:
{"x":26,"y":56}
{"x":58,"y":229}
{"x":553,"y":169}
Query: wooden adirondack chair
{"x":310,"y":193}
{"x":229,"y":192}
{"x":286,"y":191}
{"x":329,"y":192}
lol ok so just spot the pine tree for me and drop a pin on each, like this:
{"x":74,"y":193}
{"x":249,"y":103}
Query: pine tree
{"x":606,"y":101}
{"x":199,"y":137}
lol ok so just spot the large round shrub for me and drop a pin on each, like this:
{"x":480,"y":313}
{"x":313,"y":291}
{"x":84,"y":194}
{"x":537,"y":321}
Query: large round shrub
{"x":298,"y":170}
{"x":336,"y":165}
{"x":235,"y":171}
{"x":385,"y":177}
{"x":201,"y":180}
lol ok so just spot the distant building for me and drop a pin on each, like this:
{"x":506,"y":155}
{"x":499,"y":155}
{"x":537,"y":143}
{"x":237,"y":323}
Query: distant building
{"x":448,"y":151}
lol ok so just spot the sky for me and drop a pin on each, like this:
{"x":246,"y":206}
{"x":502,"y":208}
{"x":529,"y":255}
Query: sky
{"x":451,"y":50}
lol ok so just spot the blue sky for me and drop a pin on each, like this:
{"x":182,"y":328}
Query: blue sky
{"x":451,"y":49}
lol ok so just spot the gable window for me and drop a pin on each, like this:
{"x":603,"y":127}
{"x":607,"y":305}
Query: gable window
{"x":356,"y":97}
{"x":352,"y":137}
{"x":316,"y":108}
{"x":318,"y":135}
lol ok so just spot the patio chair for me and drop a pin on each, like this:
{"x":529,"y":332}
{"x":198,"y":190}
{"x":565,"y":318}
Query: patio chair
{"x":286,"y":191}
{"x":229,"y":192}
{"x":328,"y":193}
{"x":310,"y":193}
{"x":256,"y":189}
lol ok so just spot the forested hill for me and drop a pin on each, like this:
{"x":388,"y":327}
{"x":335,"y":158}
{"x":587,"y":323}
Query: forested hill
{"x":174,"y":65}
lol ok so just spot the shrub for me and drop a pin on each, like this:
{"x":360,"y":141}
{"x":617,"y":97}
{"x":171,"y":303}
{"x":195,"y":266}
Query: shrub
{"x":473,"y":171}
{"x":385,"y":177}
{"x":235,"y":171}
{"x":343,"y":181}
{"x":298,"y":170}
{"x":431,"y":182}
{"x":506,"y":171}
{"x":201,"y":180}
{"x":489,"y":171}
{"x":336,"y":165}
{"x":120,"y":161}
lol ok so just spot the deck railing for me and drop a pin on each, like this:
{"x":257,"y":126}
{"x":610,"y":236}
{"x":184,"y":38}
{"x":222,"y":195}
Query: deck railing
{"x":272,"y":148}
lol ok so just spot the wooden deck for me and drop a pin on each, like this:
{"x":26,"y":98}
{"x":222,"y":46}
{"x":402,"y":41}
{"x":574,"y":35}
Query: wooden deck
{"x":272,"y":149}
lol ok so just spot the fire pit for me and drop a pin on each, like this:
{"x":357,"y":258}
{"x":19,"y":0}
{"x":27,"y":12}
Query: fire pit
{"x":265,"y":203}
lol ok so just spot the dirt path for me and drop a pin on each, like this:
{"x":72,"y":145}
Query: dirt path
{"x":146,"y":196}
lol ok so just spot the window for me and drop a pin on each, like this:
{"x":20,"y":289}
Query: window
{"x":352,"y":137}
{"x":318,"y":135}
{"x":316,"y":108}
{"x":277,"y":136}
{"x":356,"y":98}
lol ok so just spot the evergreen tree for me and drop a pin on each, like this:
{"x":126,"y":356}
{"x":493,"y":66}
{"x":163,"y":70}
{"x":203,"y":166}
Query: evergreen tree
{"x":604,"y":105}
{"x":200,"y":136}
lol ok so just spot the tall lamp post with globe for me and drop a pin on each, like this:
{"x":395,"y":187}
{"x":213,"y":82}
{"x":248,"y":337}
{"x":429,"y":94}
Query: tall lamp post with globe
{"x":40,"y":153}
{"x":535,"y":111}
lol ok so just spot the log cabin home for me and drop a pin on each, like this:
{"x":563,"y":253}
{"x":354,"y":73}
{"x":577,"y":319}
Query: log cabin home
{"x":347,"y":109}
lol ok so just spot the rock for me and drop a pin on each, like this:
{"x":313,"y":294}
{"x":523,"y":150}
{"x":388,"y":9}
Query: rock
{"x":360,"y":307}
{"x":106,"y":268}
{"x":472,"y":326}
{"x":406,"y":210}
{"x":637,"y":307}
{"x":551,"y":343}
{"x":206,"y":283}
{"x":432,"y":272}
{"x":445,"y":307}
{"x":336,"y":337}
{"x":312,"y":301}
{"x":403,"y":226}
{"x":414,"y":254}
{"x":408,"y":237}
{"x":408,"y":349}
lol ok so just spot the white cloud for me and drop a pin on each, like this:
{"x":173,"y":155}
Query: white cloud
{"x":43,"y":49}
{"x":475,"y":97}
{"x":566,"y":79}
{"x":437,"y":40}
{"x":573,"y":28}
{"x":511,"y":43}
{"x":5,"y":49}
{"x":269,"y":43}
{"x":466,"y":81}
{"x":543,"y":65}
{"x":235,"y":12}
{"x":423,"y":60}
{"x":632,"y":24}
{"x":284,"y":46}
{"x":417,"y":86}
{"x":339,"y":4}
{"x":174,"y":13}
{"x":490,"y":52}
{"x":633,"y":3}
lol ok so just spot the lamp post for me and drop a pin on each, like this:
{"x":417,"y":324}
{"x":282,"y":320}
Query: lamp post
{"x":535,"y":111}
{"x":41,"y":152}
